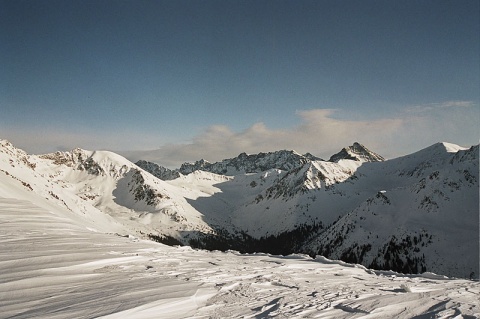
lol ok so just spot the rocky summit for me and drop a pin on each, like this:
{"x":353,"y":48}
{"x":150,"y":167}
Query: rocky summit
{"x":356,"y":152}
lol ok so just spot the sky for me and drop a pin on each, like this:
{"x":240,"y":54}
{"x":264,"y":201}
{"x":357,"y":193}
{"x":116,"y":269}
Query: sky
{"x":211,"y":79}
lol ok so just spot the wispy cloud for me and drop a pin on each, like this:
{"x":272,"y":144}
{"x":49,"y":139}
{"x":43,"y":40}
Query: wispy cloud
{"x":441,"y":105}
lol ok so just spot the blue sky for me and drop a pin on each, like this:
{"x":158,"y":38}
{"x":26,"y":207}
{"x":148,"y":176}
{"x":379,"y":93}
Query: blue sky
{"x":212,"y":79}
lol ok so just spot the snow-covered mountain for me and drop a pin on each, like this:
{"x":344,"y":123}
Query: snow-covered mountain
{"x":99,"y":185}
{"x":413,"y":214}
{"x":424,"y":214}
{"x":243,"y":163}
{"x":158,"y":171}
{"x":356,"y":152}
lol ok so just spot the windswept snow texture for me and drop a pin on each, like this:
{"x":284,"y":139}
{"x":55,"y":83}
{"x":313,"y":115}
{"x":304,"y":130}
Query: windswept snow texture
{"x":54,"y":265}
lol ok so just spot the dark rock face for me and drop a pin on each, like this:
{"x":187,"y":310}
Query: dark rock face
{"x":312,"y":157}
{"x":244,"y":163}
{"x":356,"y":152}
{"x":76,"y":158}
{"x":158,"y":171}
{"x":143,"y":191}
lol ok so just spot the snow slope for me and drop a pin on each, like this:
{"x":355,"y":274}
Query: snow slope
{"x":101,"y":186}
{"x":56,"y":266}
{"x":421,"y":213}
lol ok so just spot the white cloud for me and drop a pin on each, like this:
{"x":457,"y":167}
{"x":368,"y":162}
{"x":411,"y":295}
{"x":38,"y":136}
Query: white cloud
{"x":317,"y":132}
{"x":323,"y":135}
{"x":441,"y":105}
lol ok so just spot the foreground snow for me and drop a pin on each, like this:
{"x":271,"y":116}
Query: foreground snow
{"x":55,"y":266}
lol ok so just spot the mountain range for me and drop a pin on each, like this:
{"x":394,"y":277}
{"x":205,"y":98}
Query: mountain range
{"x":410,"y":214}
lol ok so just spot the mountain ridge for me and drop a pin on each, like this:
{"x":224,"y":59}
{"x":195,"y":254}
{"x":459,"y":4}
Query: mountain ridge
{"x":253,"y":163}
{"x":248,"y":163}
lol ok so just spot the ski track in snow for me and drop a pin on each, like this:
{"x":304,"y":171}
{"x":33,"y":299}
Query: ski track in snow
{"x":52,"y":267}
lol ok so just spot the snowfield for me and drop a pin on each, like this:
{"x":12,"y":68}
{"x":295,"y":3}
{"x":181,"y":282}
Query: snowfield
{"x":55,"y":266}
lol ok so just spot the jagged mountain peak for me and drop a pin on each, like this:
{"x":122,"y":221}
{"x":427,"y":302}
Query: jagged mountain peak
{"x":249,"y":163}
{"x":279,"y":153}
{"x":7,"y":147}
{"x":158,"y":171}
{"x":92,"y":162}
{"x":356,"y":152}
{"x":312,"y":157}
{"x":190,"y":167}
{"x":68,"y":158}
